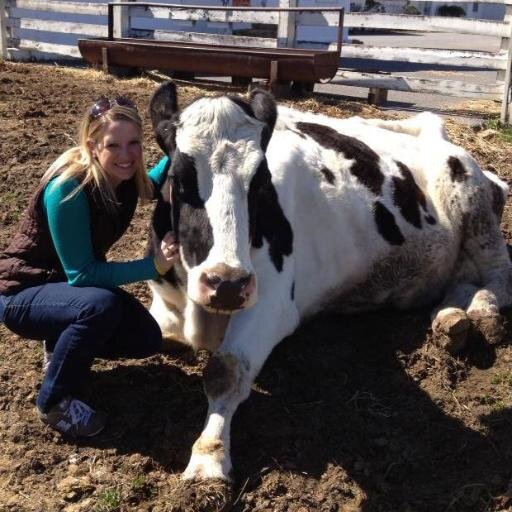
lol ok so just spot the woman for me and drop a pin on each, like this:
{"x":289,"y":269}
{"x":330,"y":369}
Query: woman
{"x":55,"y":282}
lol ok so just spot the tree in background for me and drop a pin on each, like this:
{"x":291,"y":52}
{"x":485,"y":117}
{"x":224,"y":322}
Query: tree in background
{"x":451,"y":10}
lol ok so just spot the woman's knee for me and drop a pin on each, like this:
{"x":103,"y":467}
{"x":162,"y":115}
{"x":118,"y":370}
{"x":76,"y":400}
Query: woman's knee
{"x":101,"y":305}
{"x":151,"y":342}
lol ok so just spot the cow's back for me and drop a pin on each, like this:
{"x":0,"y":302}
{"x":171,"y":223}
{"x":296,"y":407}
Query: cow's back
{"x":377,"y":216}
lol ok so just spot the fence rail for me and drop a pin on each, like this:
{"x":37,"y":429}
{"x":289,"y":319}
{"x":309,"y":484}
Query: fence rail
{"x":48,"y":29}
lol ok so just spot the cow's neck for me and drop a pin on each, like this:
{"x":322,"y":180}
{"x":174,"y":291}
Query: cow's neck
{"x":204,"y":329}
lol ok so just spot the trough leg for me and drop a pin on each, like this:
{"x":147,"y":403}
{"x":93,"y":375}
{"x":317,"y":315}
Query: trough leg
{"x":104,"y":60}
{"x":377,"y":96}
{"x":119,"y":71}
{"x":278,"y":87}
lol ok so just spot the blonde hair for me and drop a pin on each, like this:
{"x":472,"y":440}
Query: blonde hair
{"x":79,"y":163}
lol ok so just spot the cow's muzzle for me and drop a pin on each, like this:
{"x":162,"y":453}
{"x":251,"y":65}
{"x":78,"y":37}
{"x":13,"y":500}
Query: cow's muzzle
{"x":226,"y":289}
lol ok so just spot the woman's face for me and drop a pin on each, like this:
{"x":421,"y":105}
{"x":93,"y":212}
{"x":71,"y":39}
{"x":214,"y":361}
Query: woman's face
{"x":118,"y":150}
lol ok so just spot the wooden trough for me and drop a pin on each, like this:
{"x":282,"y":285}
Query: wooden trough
{"x":278,"y":65}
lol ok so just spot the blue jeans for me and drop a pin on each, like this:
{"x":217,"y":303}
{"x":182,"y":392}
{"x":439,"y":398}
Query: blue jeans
{"x":78,"y":325}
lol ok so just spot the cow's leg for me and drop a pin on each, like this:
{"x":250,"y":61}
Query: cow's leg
{"x":484,"y":309}
{"x":168,"y":316}
{"x":251,"y":336}
{"x":450,"y":322}
{"x":486,"y":247}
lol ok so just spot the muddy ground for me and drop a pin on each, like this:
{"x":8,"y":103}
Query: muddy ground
{"x":360,"y":413}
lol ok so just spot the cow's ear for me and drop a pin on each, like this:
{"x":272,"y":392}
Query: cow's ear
{"x":163,"y":109}
{"x":264,"y":107}
{"x":164,"y":103}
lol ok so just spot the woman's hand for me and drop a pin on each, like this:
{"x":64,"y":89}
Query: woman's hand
{"x":167,"y":254}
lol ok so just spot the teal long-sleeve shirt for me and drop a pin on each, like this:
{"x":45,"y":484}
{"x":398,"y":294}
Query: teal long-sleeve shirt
{"x":69,"y":224}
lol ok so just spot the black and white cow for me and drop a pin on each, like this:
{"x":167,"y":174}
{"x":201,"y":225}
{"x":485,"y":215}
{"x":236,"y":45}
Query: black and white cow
{"x":281,"y":213}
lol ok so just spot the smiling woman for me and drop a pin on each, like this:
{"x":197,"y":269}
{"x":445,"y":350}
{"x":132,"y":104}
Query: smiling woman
{"x":55,"y":282}
{"x":118,"y":151}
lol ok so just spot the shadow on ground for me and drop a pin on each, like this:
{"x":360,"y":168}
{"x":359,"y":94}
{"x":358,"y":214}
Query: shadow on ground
{"x":348,"y":410}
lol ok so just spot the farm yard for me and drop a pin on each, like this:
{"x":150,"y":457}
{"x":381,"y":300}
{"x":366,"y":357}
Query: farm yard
{"x":351,"y":413}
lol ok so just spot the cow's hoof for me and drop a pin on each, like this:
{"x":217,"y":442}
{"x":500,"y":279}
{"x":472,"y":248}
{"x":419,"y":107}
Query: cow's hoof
{"x":491,"y":326}
{"x":200,"y":496}
{"x":450,"y":328}
{"x":209,"y":461}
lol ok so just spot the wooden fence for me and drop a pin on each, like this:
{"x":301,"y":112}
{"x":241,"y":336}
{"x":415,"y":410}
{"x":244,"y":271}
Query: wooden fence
{"x":27,"y":31}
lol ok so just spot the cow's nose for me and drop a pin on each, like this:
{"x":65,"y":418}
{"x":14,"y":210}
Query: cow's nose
{"x":212,"y":281}
{"x":228,"y":294}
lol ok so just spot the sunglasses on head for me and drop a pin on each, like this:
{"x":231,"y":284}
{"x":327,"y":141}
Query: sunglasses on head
{"x":105,"y":104}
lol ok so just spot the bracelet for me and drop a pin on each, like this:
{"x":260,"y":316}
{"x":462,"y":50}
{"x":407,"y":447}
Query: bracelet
{"x":158,"y":269}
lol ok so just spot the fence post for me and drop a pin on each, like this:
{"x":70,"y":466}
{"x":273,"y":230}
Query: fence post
{"x":121,"y":19}
{"x":506,"y":77}
{"x":286,"y":27}
{"x":3,"y":31}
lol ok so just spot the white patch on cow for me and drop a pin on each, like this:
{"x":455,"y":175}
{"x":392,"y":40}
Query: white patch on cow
{"x":224,"y":143}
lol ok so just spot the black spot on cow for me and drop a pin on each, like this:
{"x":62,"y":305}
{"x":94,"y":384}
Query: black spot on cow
{"x":498,"y":200}
{"x":162,"y":222}
{"x":165,"y":133}
{"x":243,"y":105}
{"x":408,"y":197}
{"x":328,"y":175}
{"x":184,"y":180}
{"x":457,"y":170}
{"x":162,"y":215}
{"x":266,"y":217}
{"x":162,"y":218}
{"x":195,"y":234}
{"x":191,"y":226}
{"x":366,"y":162}
{"x":292,"y":291}
{"x":264,"y":108}
{"x":386,"y":225}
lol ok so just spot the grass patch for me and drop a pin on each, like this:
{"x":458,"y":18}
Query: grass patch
{"x":505,"y":132}
{"x":109,"y":500}
{"x":502,"y":379}
{"x":139,"y":482}
{"x":141,"y":488}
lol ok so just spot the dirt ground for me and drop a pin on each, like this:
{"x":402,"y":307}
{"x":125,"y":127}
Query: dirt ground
{"x":361,"y":413}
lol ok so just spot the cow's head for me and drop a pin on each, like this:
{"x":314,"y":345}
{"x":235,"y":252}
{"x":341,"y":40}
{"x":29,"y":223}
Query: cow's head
{"x":218,"y":173}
